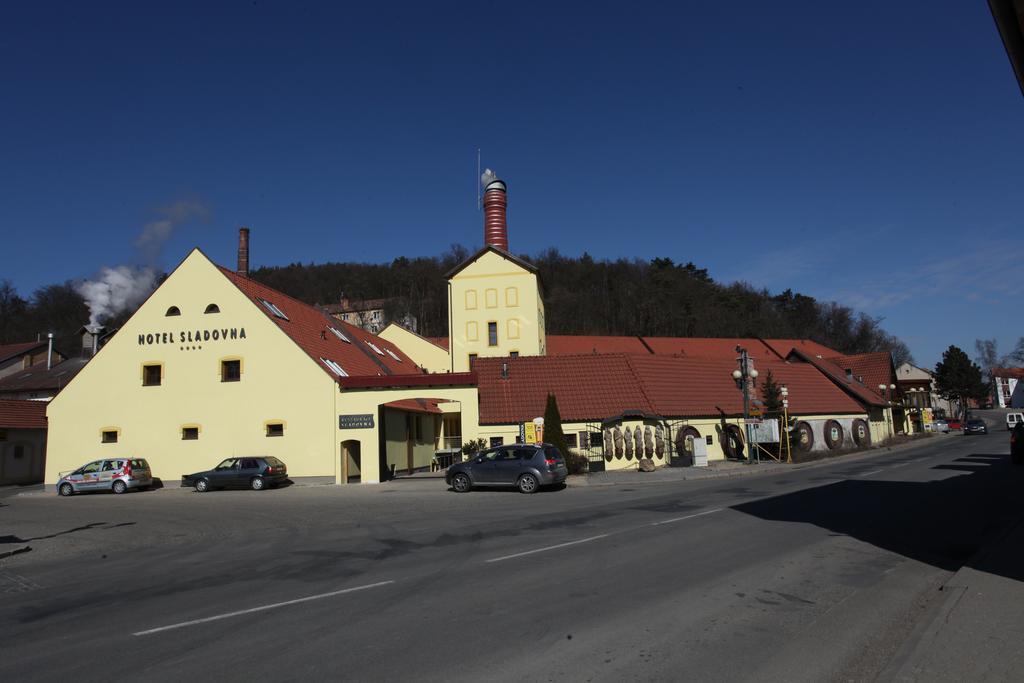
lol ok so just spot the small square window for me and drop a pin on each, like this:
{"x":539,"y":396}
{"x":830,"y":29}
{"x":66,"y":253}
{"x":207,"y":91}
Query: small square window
{"x":230,"y":370}
{"x":570,"y":440}
{"x":472,"y":357}
{"x":109,"y":436}
{"x":492,"y":334}
{"x":151,"y":375}
{"x":513,"y":354}
{"x":275,"y":429}
{"x":189,"y":433}
{"x":709,"y":440}
{"x":497,"y":441}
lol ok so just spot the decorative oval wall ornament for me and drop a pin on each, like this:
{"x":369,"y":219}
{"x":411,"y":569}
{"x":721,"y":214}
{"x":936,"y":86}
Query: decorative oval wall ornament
{"x":618,"y":443}
{"x":628,"y":436}
{"x":833,"y":434}
{"x":732,"y":442}
{"x":638,"y":442}
{"x":804,"y":436}
{"x":861,"y":433}
{"x":608,"y":445}
{"x":648,"y":442}
{"x":659,"y":441}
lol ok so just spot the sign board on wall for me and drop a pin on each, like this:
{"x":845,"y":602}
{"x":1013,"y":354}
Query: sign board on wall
{"x":765,"y":432}
{"x":530,"y":433}
{"x":355,"y":421}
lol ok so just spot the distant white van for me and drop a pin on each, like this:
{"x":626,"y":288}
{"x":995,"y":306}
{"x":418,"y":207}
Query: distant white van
{"x":1013,"y":419}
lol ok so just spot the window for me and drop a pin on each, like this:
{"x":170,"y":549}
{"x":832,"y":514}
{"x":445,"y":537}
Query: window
{"x":492,"y":334}
{"x":584,"y":440}
{"x":109,"y":436}
{"x":91,"y":467}
{"x":392,"y":354}
{"x":189,"y":433}
{"x":511,"y":296}
{"x":151,"y":375}
{"x":513,"y":329}
{"x":472,"y":332}
{"x":212,"y":308}
{"x":230,"y":370}
{"x":491,"y":298}
{"x":339,"y":335}
{"x":497,"y":441}
{"x":275,"y":429}
{"x":375,"y":348}
{"x":472,"y":357}
{"x":513,"y":354}
{"x":173,"y":310}
{"x":273,"y":309}
{"x":570,"y":440}
{"x":337,"y":369}
{"x":470,"y":299}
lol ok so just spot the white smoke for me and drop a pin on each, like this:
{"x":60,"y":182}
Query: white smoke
{"x":116,"y":289}
{"x":125,"y":287}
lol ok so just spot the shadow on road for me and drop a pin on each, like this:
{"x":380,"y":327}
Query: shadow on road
{"x":943,"y":523}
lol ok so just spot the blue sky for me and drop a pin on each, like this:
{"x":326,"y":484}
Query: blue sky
{"x":864,"y":152}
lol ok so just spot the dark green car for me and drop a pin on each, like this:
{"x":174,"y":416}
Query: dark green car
{"x":256,"y":473}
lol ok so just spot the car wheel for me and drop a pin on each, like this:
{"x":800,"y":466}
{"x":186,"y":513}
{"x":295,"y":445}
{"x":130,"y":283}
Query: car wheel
{"x":461,"y":483}
{"x":527,"y":484}
{"x":202,"y":486}
{"x":66,"y":489}
{"x":257,"y":484}
{"x":120,"y":487}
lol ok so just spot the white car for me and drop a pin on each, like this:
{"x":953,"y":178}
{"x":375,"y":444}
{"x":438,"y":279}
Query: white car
{"x":1013,"y":419}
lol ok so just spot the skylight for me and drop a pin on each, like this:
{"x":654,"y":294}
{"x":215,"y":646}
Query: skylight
{"x":337,"y":369}
{"x":274,"y":309}
{"x":375,"y":348}
{"x":392,"y":354}
{"x":339,"y":335}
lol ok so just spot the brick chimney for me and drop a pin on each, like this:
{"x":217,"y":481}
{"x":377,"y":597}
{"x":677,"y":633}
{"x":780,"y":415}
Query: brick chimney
{"x":243,"y":251}
{"x":495,"y":203}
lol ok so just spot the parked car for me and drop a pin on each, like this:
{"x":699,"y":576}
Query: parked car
{"x":975,"y":427}
{"x":1017,"y":444}
{"x":1013,"y":419}
{"x":525,"y":466}
{"x":254,"y":473}
{"x":955,"y":423}
{"x":940,"y":426}
{"x":111,"y":474}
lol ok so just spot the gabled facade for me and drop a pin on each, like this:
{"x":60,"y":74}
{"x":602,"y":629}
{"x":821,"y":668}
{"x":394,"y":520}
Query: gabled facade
{"x":495,"y":308}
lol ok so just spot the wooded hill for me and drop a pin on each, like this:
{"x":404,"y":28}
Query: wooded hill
{"x":657,"y":298}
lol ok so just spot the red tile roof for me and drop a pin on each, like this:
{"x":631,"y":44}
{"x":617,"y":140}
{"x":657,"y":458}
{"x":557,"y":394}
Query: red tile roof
{"x":838,"y":376}
{"x":588,"y":387}
{"x":437,"y":379}
{"x":709,"y":347}
{"x":872,"y":368}
{"x":571,"y":345}
{"x":309,"y":328}
{"x":9,"y":351}
{"x":1008,"y":372}
{"x":808,"y":346}
{"x":416,"y":405}
{"x":22,"y":414}
{"x":438,"y":341}
{"x":595,"y":387}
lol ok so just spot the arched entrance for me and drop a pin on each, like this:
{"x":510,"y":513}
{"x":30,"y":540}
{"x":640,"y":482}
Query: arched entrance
{"x":350,"y":462}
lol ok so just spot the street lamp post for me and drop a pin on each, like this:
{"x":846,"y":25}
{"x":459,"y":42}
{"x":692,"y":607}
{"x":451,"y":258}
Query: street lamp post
{"x":888,"y":416}
{"x":745,"y":377}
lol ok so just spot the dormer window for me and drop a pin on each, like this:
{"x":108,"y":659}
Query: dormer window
{"x":339,"y":335}
{"x":212,"y":308}
{"x":173,"y":310}
{"x":273,"y":309}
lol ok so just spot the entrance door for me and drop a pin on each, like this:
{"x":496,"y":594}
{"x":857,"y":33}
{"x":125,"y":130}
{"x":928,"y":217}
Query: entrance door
{"x":350,"y":462}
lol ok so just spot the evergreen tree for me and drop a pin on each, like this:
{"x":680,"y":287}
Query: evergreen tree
{"x":771,"y":394}
{"x":958,"y":379}
{"x":553,"y":427}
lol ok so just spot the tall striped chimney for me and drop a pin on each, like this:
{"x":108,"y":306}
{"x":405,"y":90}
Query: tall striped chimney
{"x":495,"y":203}
{"x":243,"y":251}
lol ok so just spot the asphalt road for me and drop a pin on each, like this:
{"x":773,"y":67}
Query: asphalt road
{"x":821,"y":573}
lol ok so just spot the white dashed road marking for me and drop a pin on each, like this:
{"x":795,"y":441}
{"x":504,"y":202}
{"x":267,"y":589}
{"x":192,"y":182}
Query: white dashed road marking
{"x":261,"y":608}
{"x":550,"y":547}
{"x":679,"y":519}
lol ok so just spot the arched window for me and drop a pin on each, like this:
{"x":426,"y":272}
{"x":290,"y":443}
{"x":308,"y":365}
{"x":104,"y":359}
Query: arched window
{"x":173,"y":310}
{"x":212,"y":308}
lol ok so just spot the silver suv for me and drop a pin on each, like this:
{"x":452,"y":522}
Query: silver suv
{"x":112,"y":474}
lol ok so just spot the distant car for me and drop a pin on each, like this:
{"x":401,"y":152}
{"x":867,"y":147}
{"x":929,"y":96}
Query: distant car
{"x":975,"y":427}
{"x":111,"y":474}
{"x":1013,"y":418}
{"x":525,"y":466}
{"x":955,"y":423}
{"x":254,"y":473}
{"x":940,"y":426}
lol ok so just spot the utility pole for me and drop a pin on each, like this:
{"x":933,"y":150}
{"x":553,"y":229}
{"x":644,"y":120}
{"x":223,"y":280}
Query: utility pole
{"x":744,"y":377}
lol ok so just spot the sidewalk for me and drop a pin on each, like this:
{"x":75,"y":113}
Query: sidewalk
{"x":977,"y":633}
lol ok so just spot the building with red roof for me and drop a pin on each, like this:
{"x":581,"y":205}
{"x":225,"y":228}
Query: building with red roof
{"x":22,"y":441}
